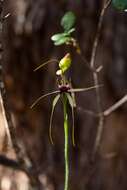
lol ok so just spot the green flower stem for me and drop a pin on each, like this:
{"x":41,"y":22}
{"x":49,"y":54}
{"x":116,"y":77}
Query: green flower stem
{"x":66,"y":142}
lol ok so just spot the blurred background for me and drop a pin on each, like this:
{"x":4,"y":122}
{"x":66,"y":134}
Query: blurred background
{"x":27,"y":44}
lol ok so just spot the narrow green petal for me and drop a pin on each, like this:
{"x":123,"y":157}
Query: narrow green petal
{"x":43,"y":96}
{"x":55,"y":100}
{"x":72,"y":104}
{"x":45,"y":63}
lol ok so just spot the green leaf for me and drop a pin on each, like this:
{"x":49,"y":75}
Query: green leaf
{"x":62,"y":40}
{"x":71,"y":30}
{"x":55,"y":100}
{"x":120,"y":4}
{"x":58,"y":36}
{"x":68,"y":21}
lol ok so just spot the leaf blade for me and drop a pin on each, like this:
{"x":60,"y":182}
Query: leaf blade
{"x":71,"y":30}
{"x":58,"y":36}
{"x":68,"y":20}
{"x":61,"y":41}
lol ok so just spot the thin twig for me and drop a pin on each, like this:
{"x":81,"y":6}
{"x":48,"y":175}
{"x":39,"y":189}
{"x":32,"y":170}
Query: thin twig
{"x":89,"y":112}
{"x":97,"y":36}
{"x":115,"y":106}
{"x":96,"y":77}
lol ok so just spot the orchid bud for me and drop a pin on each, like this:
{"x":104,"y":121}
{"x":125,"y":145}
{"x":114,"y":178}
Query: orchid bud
{"x":65,"y":63}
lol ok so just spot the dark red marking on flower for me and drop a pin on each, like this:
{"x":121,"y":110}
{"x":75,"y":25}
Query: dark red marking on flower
{"x":64,"y":88}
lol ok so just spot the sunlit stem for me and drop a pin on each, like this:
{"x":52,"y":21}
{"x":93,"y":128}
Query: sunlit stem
{"x":66,"y":155}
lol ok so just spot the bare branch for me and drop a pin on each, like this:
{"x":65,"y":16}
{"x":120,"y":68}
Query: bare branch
{"x":115,"y":106}
{"x":95,"y":74}
{"x":89,"y":112}
{"x":96,"y":40}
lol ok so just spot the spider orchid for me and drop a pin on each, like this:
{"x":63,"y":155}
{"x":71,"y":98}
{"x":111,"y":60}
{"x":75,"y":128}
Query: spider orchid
{"x":64,"y":89}
{"x":66,"y":93}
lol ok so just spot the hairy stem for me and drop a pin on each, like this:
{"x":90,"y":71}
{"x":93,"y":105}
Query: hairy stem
{"x":66,"y":156}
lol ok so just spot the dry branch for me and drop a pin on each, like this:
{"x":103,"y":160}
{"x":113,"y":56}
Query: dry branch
{"x":96,"y":73}
{"x":115,"y":106}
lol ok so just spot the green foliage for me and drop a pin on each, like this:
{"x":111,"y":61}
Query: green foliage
{"x":67,"y":22}
{"x":60,"y":39}
{"x":120,"y":4}
{"x":59,"y":36}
